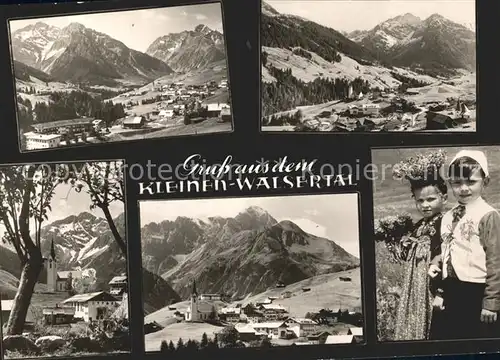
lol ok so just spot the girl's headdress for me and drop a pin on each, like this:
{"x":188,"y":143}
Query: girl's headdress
{"x":421,"y":168}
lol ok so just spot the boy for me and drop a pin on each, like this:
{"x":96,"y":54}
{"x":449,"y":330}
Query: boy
{"x":470,"y":259}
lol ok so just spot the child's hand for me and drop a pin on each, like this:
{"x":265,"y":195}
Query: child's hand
{"x":488,"y":316}
{"x":438,"y":303}
{"x":434,"y":271}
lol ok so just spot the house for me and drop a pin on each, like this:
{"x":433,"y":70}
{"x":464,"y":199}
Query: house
{"x":57,"y":315}
{"x":166,"y":113}
{"x":230,"y":314}
{"x":136,"y":122}
{"x":364,"y":124}
{"x":214,"y":110}
{"x":273,"y":311}
{"x":247,"y":333}
{"x":319,"y":337}
{"x":340,"y":339}
{"x":36,"y":141}
{"x":370,"y":109}
{"x":6,"y":307}
{"x":301,"y":326}
{"x":76,"y":126}
{"x":440,"y":120}
{"x":286,"y":294}
{"x":118,"y":285}
{"x":252,"y":314}
{"x":274,"y":330}
{"x":357,"y":332}
{"x":225,"y":115}
{"x":93,"y":306}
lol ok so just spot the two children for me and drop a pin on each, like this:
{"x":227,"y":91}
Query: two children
{"x":469,"y":263}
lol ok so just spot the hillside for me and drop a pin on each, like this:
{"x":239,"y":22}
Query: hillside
{"x":239,"y":256}
{"x":326,"y":292}
{"x":288,"y":31}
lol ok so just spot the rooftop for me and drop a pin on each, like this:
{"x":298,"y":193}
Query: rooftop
{"x":46,"y":137}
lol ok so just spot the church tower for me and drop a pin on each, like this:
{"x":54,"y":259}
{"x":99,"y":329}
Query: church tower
{"x":194,"y":303}
{"x":52,"y":269}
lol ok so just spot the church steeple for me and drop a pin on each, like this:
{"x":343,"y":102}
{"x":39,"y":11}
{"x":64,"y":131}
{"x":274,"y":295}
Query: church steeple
{"x":52,"y":251}
{"x":193,"y":290}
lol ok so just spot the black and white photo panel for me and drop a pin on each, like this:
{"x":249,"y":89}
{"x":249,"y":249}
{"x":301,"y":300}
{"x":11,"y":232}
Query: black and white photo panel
{"x":437,"y":230}
{"x":117,"y":76}
{"x":63,"y":260}
{"x":251,"y":272}
{"x":368,"y":66}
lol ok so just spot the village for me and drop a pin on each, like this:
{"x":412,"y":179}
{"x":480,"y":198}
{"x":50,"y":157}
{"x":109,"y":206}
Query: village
{"x":156,"y":110}
{"x":262,"y":321}
{"x":63,"y":321}
{"x":426,"y":108}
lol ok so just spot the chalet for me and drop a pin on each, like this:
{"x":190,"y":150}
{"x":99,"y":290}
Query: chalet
{"x":231,"y":315}
{"x":340,"y":339}
{"x":214,"y":110}
{"x":251,"y":314}
{"x":274,"y":330}
{"x":319,"y":337}
{"x":263,"y":302}
{"x":286,"y":294}
{"x":166,"y":113}
{"x":36,"y":141}
{"x":345,"y":278}
{"x":225,"y":115}
{"x":118,"y":285}
{"x":92,"y":306}
{"x":370,"y":109}
{"x":57,"y":315}
{"x":440,"y":121}
{"x":301,"y":327}
{"x":273,"y":311}
{"x":136,"y":122}
{"x":247,"y":333}
{"x":64,"y":279}
{"x":357,"y":332}
{"x":76,"y":126}
{"x":364,"y":124}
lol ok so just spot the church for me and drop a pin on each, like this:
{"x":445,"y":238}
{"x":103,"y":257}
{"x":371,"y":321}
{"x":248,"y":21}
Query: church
{"x":201,"y":310}
{"x":58,"y":281}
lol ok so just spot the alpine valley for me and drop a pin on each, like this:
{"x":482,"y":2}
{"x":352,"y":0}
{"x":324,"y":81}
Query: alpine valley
{"x":243,"y":259}
{"x":77,"y":74}
{"x":389,"y":78}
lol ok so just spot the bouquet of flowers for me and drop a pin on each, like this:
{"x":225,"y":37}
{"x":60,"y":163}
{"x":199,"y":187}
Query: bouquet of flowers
{"x":394,"y":232}
{"x":419,"y":167}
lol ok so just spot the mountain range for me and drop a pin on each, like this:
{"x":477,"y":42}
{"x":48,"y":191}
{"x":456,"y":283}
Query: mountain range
{"x":432,"y":45}
{"x":84,"y":241}
{"x":239,"y":256}
{"x":78,"y":54}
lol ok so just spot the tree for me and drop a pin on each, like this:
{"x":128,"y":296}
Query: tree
{"x":204,"y":341}
{"x":86,"y":283}
{"x":228,"y":337}
{"x":104,"y":182}
{"x":171,"y":346}
{"x":213,"y":314}
{"x":164,"y":347}
{"x":25,"y":196}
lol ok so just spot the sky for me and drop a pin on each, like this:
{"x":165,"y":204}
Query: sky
{"x":334,"y":217}
{"x":139,"y":28}
{"x":66,"y":202}
{"x":366,"y":14}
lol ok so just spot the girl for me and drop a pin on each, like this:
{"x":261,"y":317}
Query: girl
{"x":415,"y":308}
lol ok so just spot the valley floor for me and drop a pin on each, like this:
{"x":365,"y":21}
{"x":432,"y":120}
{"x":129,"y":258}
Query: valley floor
{"x":326,"y":291}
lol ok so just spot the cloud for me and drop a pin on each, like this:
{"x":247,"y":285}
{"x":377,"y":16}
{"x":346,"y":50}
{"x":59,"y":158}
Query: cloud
{"x":311,"y":227}
{"x":201,"y":17}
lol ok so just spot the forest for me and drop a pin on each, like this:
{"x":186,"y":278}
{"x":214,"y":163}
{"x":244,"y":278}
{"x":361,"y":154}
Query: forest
{"x":289,"y":92}
{"x":65,"y":106}
{"x":327,"y":42}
